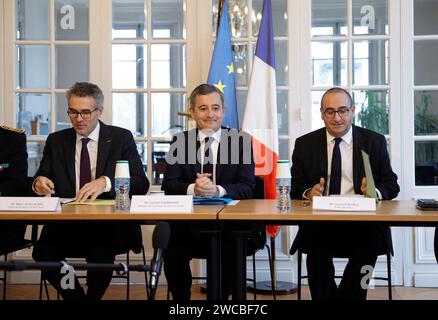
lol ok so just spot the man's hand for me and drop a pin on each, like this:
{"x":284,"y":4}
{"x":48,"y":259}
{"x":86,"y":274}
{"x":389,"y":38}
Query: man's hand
{"x":43,"y":186}
{"x":91,"y":189}
{"x":317,"y":190}
{"x":363,"y":186}
{"x":204,"y":187}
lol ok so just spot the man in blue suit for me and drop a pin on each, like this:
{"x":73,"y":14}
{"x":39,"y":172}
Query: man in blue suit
{"x":80,"y":162}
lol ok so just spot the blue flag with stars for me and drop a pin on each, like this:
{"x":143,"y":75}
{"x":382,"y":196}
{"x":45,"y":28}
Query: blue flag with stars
{"x":221,"y":73}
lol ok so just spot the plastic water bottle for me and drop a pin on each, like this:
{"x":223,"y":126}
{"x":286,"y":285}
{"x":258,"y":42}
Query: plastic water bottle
{"x":122,"y":184}
{"x":122,"y":193}
{"x":283,"y":185}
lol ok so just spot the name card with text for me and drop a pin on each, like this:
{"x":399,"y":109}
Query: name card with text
{"x":162,"y":204}
{"x":344,"y":203}
{"x":32,"y":204}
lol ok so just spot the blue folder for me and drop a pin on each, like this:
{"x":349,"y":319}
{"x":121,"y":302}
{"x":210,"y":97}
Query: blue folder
{"x":211,"y":201}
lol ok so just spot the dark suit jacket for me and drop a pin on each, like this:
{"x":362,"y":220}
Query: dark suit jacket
{"x":58,"y":164}
{"x":13,"y":182}
{"x":13,"y":159}
{"x":309,"y":164}
{"x":236,"y":177}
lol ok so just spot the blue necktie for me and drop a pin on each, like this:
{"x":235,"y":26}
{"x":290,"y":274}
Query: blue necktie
{"x":336,"y":172}
{"x":85,"y":166}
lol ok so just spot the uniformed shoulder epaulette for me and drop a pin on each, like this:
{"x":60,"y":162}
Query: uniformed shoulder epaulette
{"x":12,"y":129}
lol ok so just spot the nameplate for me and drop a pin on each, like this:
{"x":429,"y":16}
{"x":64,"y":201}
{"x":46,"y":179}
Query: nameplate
{"x":344,"y":203}
{"x":31,"y":204}
{"x":162,"y":204}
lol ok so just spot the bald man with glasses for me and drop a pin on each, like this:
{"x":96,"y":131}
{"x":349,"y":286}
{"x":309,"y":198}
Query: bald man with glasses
{"x":326,"y":162}
{"x":80,"y":163}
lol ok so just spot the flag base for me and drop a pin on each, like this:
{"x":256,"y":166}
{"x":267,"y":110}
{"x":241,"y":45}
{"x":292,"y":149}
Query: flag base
{"x":281,"y":288}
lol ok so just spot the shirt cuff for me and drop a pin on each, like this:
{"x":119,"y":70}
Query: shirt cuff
{"x":191,"y":189}
{"x":304,"y":194}
{"x":222,"y":191}
{"x":108,"y":184}
{"x":379,"y":195}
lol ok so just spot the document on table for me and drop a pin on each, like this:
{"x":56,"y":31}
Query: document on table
{"x":97,"y":202}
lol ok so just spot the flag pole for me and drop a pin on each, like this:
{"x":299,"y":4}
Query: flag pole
{"x":221,"y":5}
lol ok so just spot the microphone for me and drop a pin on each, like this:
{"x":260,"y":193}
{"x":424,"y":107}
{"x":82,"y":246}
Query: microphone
{"x":160,"y":239}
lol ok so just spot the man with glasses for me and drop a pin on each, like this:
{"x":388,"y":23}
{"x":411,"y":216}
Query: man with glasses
{"x":80,"y":163}
{"x":329,"y":161}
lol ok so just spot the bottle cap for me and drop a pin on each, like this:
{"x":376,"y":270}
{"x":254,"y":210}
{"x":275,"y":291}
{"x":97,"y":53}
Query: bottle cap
{"x":122,"y":169}
{"x":283,"y":169}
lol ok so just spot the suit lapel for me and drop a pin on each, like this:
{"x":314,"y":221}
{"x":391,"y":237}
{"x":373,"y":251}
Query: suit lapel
{"x":69,"y":153}
{"x":103,"y":149}
{"x":357,"y":159}
{"x":197,"y":166}
{"x":322,"y":145}
{"x":218,"y":156}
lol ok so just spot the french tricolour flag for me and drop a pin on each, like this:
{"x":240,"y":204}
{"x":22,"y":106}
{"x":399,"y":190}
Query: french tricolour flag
{"x":260,"y":118}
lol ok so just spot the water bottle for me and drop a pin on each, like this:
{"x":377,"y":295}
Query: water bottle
{"x":283,"y":185}
{"x":122,"y":184}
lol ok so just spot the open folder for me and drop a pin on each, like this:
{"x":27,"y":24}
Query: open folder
{"x":211,"y":201}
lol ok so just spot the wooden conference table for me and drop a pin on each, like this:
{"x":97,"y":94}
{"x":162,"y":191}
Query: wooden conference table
{"x":392,"y":213}
{"x":107,"y":213}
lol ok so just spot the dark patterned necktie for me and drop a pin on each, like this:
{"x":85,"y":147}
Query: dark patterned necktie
{"x":336,"y":173}
{"x":85,"y":167}
{"x":208,"y":157}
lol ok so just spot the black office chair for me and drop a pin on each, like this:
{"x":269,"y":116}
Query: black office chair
{"x":23,"y":244}
{"x":116,"y":275}
{"x":388,"y":278}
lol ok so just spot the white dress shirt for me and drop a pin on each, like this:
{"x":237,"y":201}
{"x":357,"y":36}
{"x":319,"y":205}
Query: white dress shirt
{"x":214,"y":149}
{"x":92,"y":147}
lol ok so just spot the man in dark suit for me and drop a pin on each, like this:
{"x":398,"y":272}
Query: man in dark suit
{"x":80,"y":162}
{"x":329,"y":161}
{"x":209,"y":161}
{"x":13,"y":180}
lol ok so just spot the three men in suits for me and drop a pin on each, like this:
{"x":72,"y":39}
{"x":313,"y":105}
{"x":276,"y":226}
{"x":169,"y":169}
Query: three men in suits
{"x":209,"y":161}
{"x":13,"y":181}
{"x":329,"y":161}
{"x":80,"y":162}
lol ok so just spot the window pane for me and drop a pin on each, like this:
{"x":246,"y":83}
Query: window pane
{"x":425,"y":13}
{"x":316,"y":113}
{"x":165,"y":118}
{"x":329,"y":17}
{"x":142,"y":151}
{"x":62,"y":118}
{"x":281,"y":66}
{"x":168,"y":16}
{"x":130,"y":112}
{"x":426,"y":163}
{"x":129,"y":21}
{"x":239,"y":52}
{"x":426,"y":112}
{"x":33,"y":113}
{"x":283,"y":146}
{"x":372,"y":110}
{"x":279,"y":17}
{"x":370,"y":17}
{"x":329,"y":63}
{"x":425,"y":66}
{"x":72,"y":21}
{"x":129,"y":66}
{"x":168,"y":66}
{"x":32,"y":19}
{"x":33,"y":67}
{"x":241,"y":104}
{"x":282,"y":112}
{"x":370,"y":60}
{"x":159,"y":150}
{"x":34,"y":156}
{"x":71,"y":65}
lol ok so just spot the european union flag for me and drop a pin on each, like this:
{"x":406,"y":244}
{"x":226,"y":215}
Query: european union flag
{"x":221,"y":72}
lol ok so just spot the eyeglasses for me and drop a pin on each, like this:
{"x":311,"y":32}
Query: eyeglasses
{"x":331,"y":113}
{"x":85,"y":114}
